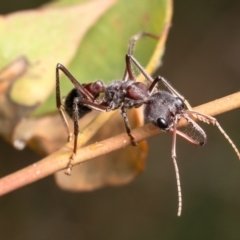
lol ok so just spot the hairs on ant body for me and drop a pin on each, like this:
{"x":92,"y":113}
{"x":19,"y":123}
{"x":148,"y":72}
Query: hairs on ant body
{"x":163,"y":109}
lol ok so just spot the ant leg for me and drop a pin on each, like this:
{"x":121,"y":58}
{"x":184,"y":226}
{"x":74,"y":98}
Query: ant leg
{"x":76,"y":132}
{"x":209,"y":119}
{"x":129,"y":70}
{"x":76,"y":84}
{"x":164,"y":81}
{"x":172,"y":89}
{"x":140,"y":68}
{"x":132,"y":42}
{"x":92,"y":105}
{"x":174,"y":158}
{"x":175,"y":92}
{"x":154,"y":83}
{"x":76,"y":102}
{"x":138,"y":36}
{"x":65,"y":122}
{"x":127,"y":125}
{"x":150,"y":79}
{"x":60,"y":107}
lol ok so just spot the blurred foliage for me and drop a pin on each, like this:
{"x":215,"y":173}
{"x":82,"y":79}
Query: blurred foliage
{"x":202,"y":62}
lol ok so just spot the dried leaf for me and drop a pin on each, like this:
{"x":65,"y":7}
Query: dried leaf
{"x":116,"y":168}
{"x":100,"y":55}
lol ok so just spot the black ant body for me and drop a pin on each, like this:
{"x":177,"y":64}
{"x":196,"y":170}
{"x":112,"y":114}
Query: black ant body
{"x":163,"y":109}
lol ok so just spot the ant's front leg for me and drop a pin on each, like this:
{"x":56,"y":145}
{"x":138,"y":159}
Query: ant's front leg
{"x":128,"y":73}
{"x":127,"y":125}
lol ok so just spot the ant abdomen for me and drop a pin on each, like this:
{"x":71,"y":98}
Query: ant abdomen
{"x":82,"y":110}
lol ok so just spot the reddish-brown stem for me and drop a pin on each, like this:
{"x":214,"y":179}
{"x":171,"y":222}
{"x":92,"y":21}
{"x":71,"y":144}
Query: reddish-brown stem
{"x":60,"y":158}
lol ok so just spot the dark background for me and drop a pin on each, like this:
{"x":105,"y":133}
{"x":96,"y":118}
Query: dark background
{"x":201,"y":61}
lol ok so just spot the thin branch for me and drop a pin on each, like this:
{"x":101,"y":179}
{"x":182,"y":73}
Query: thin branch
{"x":58,"y":160}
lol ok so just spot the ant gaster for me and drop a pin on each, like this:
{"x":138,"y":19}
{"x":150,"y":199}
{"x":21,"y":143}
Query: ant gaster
{"x":163,"y":109}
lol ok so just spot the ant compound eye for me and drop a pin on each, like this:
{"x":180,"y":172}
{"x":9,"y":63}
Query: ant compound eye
{"x":179,"y":102}
{"x":162,"y":123}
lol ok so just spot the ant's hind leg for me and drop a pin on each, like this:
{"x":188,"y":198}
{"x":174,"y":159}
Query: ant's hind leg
{"x":65,"y":122}
{"x":60,"y":106}
{"x":76,"y":132}
{"x":74,"y":81}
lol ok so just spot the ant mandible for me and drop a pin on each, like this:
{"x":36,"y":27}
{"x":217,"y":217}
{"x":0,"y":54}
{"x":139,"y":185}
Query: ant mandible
{"x":163,"y":109}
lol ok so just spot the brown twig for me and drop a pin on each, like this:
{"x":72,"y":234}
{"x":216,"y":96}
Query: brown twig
{"x":59,"y":159}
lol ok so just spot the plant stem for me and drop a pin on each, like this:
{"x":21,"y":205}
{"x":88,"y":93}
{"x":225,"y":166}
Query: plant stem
{"x":59,"y":159}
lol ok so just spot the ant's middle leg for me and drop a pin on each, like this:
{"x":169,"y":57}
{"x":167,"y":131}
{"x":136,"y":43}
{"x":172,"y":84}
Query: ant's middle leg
{"x":77,"y":103}
{"x":127,"y":125}
{"x":76,"y":132}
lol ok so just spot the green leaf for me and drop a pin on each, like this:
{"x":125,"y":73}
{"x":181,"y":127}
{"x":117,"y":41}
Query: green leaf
{"x":44,"y":36}
{"x":101,"y":54}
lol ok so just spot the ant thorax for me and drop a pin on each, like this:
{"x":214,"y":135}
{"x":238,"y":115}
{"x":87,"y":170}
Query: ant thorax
{"x":127,"y":94}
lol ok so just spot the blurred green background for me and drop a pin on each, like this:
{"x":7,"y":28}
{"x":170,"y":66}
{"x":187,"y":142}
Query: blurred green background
{"x":202,"y":62}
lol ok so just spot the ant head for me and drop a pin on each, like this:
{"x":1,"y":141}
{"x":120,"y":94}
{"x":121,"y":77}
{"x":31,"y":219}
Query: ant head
{"x":164,"y":110}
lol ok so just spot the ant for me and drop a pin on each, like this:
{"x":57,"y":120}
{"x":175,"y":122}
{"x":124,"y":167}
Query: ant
{"x":163,"y":109}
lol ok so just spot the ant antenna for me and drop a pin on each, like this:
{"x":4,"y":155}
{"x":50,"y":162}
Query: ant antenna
{"x":174,"y":158}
